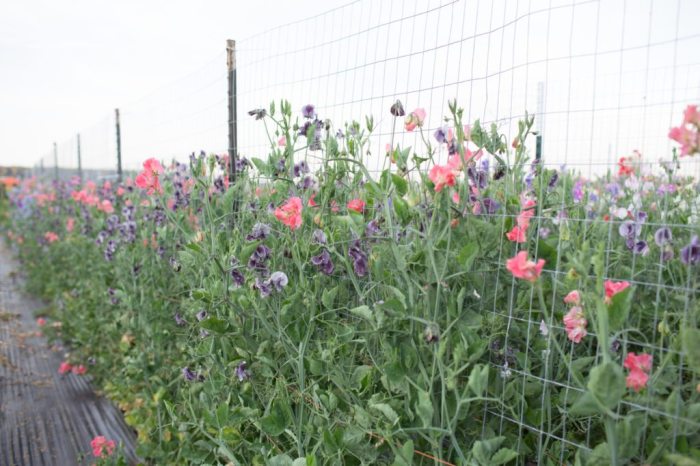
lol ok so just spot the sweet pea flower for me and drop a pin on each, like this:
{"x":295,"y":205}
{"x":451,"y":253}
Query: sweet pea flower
{"x":517,"y":234}
{"x":414,"y":119}
{"x":282,"y":141}
{"x":50,"y":236}
{"x":101,"y":447}
{"x":70,"y":224}
{"x":441,"y":176}
{"x":65,"y":367}
{"x":149,"y":178}
{"x":357,"y":205}
{"x":612,"y":288}
{"x":639,"y":366}
{"x":574,"y":297}
{"x":523,"y":268}
{"x":690,"y":255}
{"x":575,"y":324}
{"x":290,"y":213}
{"x":41,"y":321}
{"x":79,"y":370}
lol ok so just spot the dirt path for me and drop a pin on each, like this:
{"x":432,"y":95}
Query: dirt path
{"x":45,"y":418}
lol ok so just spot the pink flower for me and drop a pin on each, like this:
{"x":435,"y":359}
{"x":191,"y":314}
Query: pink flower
{"x":441,"y":176}
{"x":358,"y":205}
{"x":120,"y":191}
{"x":101,"y":447}
{"x":691,"y":115}
{"x":575,"y":324}
{"x":70,"y":224}
{"x":415,"y":118}
{"x":290,"y":213}
{"x":282,"y":141}
{"x":574,"y":297}
{"x":639,"y":367}
{"x":613,"y":288}
{"x":65,"y":367}
{"x":517,"y":234}
{"x":149,"y":178}
{"x":50,"y":236}
{"x":106,"y":206}
{"x":455,"y":197}
{"x":41,"y":321}
{"x":523,"y":268}
{"x":79,"y":370}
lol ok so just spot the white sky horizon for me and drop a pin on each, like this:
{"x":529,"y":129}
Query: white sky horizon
{"x":67,"y":65}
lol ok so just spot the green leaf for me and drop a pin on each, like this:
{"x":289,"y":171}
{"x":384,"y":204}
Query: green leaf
{"x":503,"y":456}
{"x":690,"y":339}
{"x":280,"y":460}
{"x":607,"y":384}
{"x":424,"y":408}
{"x":478,"y":379}
{"x":363,"y":311}
{"x":201,"y":295}
{"x":400,"y":183}
{"x":328,"y":297}
{"x":467,"y":254}
{"x":619,"y":308}
{"x":482,"y":450}
{"x":405,"y":455}
{"x":386,"y":410}
{"x":278,"y":419}
{"x":680,"y":460}
{"x":214,"y":324}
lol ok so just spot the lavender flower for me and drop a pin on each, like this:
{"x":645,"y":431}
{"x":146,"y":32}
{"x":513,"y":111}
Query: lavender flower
{"x":308,"y":111}
{"x":440,"y":135}
{"x":397,"y":109}
{"x":690,"y":255}
{"x":300,"y":168}
{"x":577,"y":192}
{"x":279,"y":280}
{"x":323,"y":262}
{"x":241,"y":372}
{"x":260,"y":231}
{"x":179,"y":321}
{"x":319,"y":237}
{"x":663,"y":236}
{"x":359,"y":258}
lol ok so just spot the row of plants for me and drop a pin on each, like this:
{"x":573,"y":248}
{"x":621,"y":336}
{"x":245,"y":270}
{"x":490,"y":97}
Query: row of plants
{"x":467,"y":305}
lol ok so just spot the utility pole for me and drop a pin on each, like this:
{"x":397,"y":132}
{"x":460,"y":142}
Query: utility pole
{"x":119,"y":146}
{"x":80,"y":163}
{"x":232,"y":110}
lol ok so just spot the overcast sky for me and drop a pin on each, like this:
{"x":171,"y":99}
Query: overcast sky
{"x":615,"y":74}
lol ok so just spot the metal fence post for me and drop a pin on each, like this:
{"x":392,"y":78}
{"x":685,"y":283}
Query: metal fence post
{"x":80,"y":163}
{"x":232,"y":111}
{"x":119,"y":146}
{"x":55,"y":161}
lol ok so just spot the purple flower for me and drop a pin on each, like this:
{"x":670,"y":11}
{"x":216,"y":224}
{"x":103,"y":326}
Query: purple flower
{"x":662,"y":236}
{"x":323,"y":262}
{"x":490,"y":205}
{"x":279,"y":280}
{"x":577,"y":192}
{"x":242,"y":372}
{"x":258,"y":260}
{"x":263,"y":286}
{"x":613,"y":189}
{"x":553,"y":180}
{"x":191,"y":376}
{"x":179,"y":321}
{"x":440,"y":135}
{"x":258,"y":113}
{"x":641,"y":217}
{"x":319,"y":237}
{"x":372,"y":228}
{"x":397,"y":109}
{"x":237,"y":278}
{"x":628,"y":229}
{"x":359,"y":258}
{"x":544,"y":232}
{"x":690,"y":255}
{"x":308,"y":111}
{"x":300,"y":168}
{"x":641,"y":247}
{"x":201,"y":315}
{"x":259,"y":231}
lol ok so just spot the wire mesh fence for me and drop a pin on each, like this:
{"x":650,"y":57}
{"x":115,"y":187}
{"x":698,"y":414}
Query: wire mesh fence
{"x":602,"y":78}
